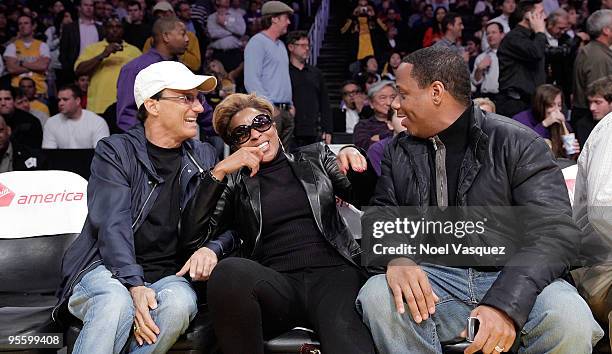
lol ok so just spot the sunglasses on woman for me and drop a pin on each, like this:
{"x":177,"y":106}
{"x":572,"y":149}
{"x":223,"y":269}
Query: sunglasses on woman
{"x":242,"y":133}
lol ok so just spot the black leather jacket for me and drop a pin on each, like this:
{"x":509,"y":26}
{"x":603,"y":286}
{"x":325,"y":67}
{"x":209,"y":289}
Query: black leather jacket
{"x":239,"y":207}
{"x":506,"y":164}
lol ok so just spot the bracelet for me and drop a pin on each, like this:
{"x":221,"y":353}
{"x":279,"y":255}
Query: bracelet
{"x":213,"y":177}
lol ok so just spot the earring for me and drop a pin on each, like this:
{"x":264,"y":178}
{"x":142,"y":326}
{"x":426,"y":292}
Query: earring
{"x":280,"y":142}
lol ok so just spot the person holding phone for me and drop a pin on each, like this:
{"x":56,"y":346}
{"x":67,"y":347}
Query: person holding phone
{"x":521,"y":58}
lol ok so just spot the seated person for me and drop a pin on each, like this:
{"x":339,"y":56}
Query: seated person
{"x":26,"y":129}
{"x":352,"y":108}
{"x":22,"y":103}
{"x":479,"y":159}
{"x":547,"y":120}
{"x":485,"y":104}
{"x":16,"y":157}
{"x":375,"y":152}
{"x":74,"y":127}
{"x":120,"y":273}
{"x":28,"y":86}
{"x":375,"y":128}
{"x":298,"y":267}
{"x":599,"y":94}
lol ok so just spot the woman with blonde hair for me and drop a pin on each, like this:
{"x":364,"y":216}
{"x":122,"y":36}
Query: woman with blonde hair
{"x":297,"y":264}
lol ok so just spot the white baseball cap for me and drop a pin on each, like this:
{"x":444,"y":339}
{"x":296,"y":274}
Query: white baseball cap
{"x":169,"y":75}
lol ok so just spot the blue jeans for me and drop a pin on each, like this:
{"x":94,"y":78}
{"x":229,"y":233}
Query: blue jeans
{"x":107,"y":311}
{"x":560,"y":321}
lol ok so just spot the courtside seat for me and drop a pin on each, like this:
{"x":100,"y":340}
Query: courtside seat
{"x":41,"y":213}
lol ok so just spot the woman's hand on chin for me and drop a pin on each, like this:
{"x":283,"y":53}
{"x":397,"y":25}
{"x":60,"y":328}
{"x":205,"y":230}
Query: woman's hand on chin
{"x":351,"y":158}
{"x":245,"y":157}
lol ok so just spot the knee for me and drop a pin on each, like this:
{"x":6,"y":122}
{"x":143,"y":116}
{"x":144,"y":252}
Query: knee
{"x":177,"y":304}
{"x":374,"y":298}
{"x":228,"y":276}
{"x":565,"y":319}
{"x":116,"y":307}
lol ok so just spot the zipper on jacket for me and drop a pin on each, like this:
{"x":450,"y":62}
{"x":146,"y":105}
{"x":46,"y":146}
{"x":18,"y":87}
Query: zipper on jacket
{"x":144,"y":205}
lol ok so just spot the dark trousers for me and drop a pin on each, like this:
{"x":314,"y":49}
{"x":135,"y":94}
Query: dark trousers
{"x":231,"y":58}
{"x":250,"y":303}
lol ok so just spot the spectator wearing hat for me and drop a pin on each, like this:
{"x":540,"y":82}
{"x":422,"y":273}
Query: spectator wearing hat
{"x":192,"y":56}
{"x":126,"y":261}
{"x":266,"y":66}
{"x":77,"y":36}
{"x":102,"y":61}
{"x":171,"y":41}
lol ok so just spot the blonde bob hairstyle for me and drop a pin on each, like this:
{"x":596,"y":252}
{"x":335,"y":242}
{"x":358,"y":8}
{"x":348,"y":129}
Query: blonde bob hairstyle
{"x":231,"y":105}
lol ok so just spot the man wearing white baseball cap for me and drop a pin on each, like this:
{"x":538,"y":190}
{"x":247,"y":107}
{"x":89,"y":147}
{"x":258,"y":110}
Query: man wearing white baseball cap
{"x":123,"y":276}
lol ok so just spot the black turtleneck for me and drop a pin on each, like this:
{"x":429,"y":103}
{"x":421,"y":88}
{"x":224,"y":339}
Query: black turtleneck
{"x":290,"y":237}
{"x":456,"y":140}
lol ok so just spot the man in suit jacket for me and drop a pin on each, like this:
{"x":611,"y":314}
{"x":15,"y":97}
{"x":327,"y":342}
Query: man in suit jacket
{"x":77,"y":36}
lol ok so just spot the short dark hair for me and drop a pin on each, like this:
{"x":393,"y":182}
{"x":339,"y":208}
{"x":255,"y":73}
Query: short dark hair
{"x":134,"y":3}
{"x":523,"y":7}
{"x":499,"y":26}
{"x":449,"y":19}
{"x":27,"y":78}
{"x":11,"y":90}
{"x":76,"y":91}
{"x":295,"y":36}
{"x":349,"y":82}
{"x":142,"y":111}
{"x":442,"y":64}
{"x":601,"y":87}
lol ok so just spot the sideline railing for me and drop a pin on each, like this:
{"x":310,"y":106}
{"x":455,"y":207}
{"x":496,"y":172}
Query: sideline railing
{"x":316,"y":34}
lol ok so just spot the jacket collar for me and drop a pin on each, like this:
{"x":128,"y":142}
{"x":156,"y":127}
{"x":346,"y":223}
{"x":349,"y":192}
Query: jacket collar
{"x":139,"y":142}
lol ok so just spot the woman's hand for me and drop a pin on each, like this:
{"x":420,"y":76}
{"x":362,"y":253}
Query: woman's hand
{"x":199,"y":265}
{"x":553,"y":115}
{"x":245,"y":157}
{"x":351,"y":158}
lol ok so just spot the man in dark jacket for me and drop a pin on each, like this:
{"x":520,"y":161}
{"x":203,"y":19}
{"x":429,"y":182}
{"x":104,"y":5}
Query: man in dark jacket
{"x":76,"y":36}
{"x":455,"y":155}
{"x":16,"y":157}
{"x":122,"y":272}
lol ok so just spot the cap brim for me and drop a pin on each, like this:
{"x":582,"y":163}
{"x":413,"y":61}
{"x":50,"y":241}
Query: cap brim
{"x":202,"y":83}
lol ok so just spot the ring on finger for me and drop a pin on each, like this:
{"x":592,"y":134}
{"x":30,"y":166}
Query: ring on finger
{"x":499,"y":349}
{"x":136,"y":328}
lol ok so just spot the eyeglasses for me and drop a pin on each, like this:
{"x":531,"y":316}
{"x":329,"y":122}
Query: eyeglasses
{"x":185,"y":99}
{"x":304,"y":45}
{"x":242,"y":133}
{"x":352,"y":93}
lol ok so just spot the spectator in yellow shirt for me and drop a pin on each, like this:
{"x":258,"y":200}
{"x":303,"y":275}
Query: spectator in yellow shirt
{"x":28,"y":86}
{"x":102,"y":61}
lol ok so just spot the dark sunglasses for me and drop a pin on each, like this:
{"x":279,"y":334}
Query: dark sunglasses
{"x":242,"y":133}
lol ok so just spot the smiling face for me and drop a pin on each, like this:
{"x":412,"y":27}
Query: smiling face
{"x":381,"y":101}
{"x":267,"y":141}
{"x":414,"y":104}
{"x":176,"y":117}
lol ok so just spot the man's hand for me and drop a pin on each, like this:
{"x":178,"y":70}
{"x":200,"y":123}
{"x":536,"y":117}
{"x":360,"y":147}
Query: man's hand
{"x":408,"y":281}
{"x":351,"y":158}
{"x":111,"y":49}
{"x":375,"y":137}
{"x":199,"y":265}
{"x":327,"y":137}
{"x":496,"y":331}
{"x":245,"y":157}
{"x":537,"y":21}
{"x":221,"y":17}
{"x":144,"y":299}
{"x":485,"y":63}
